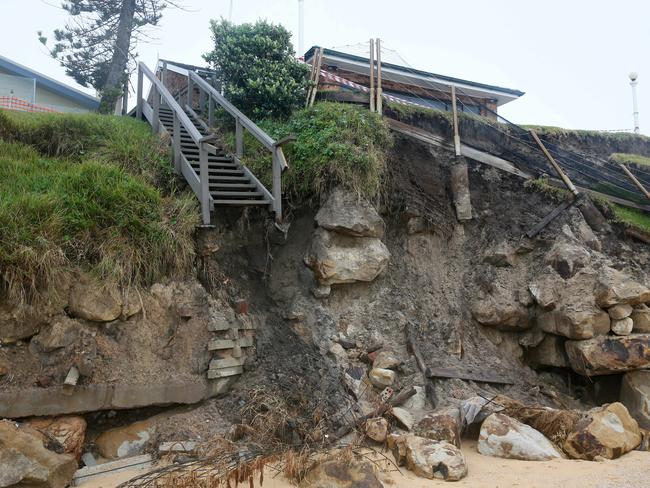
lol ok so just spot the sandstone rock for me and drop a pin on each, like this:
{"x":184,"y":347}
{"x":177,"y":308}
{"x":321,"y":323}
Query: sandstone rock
{"x":567,"y":258}
{"x":126,"y":441}
{"x":19,"y":323}
{"x":441,"y":425}
{"x":622,"y":327}
{"x":575,"y":321}
{"x":635,"y":395}
{"x":381,"y":378}
{"x":386,"y":359}
{"x":587,"y":236}
{"x":346,"y":213}
{"x":615,"y":287}
{"x":24,"y":461}
{"x":621,"y":311}
{"x":609,"y":354}
{"x":90,"y":301}
{"x":500,"y":310}
{"x":69,"y":432}
{"x":645,"y":441}
{"x":549,"y":352}
{"x":335,"y":258}
{"x":131,"y":304}
{"x":403,"y":417}
{"x":505,"y":437}
{"x":340,"y":474}
{"x":417,"y":402}
{"x":377,"y":429}
{"x":428,"y":458}
{"x":641,"y":318}
{"x":605,"y":432}
{"x":531,"y":337}
{"x":502,"y":255}
{"x":59,"y":334}
{"x":545,"y":289}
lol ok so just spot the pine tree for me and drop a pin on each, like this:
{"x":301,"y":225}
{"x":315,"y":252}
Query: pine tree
{"x":97,"y":47}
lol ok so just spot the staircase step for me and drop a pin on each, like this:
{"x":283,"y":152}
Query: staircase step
{"x":241,"y":193}
{"x":213,"y":178}
{"x":233,"y":185}
{"x":240,"y":202}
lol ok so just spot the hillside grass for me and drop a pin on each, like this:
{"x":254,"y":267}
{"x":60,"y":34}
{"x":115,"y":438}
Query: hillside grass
{"x":336,"y":144}
{"x":630,"y":158}
{"x":633,"y":217}
{"x":77,"y":192}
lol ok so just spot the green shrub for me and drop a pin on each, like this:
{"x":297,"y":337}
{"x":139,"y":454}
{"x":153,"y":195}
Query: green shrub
{"x":336,"y":144}
{"x":257,"y":69}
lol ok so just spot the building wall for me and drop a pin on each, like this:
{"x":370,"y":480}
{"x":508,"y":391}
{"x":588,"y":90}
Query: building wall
{"x":47,"y":98}
{"x":17,"y":86}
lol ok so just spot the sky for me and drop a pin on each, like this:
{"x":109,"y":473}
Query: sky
{"x":571,"y":57}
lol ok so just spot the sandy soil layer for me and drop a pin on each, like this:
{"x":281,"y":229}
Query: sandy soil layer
{"x":629,"y":471}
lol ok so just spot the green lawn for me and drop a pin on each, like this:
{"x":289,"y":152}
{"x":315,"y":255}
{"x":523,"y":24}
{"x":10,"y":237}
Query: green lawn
{"x":630,"y":158}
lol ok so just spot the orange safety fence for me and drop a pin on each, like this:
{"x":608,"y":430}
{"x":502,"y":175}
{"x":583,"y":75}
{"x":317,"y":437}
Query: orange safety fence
{"x":13,"y":103}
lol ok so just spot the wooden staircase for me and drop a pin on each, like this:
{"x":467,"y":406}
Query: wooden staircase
{"x":229,"y":183}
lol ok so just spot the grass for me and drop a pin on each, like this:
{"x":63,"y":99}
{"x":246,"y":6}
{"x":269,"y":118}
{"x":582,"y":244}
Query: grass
{"x":633,"y":217}
{"x":630,"y":158}
{"x":336,"y":144}
{"x":87,"y":201}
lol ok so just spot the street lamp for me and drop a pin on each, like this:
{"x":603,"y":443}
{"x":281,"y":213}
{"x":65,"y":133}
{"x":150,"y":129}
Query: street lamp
{"x":633,"y":82}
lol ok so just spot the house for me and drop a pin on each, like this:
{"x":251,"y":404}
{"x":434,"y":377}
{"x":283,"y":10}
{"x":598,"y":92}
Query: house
{"x":23,"y":88}
{"x":407,"y":84}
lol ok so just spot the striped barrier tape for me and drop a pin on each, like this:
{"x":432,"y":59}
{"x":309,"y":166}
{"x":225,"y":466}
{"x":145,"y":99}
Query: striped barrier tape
{"x":13,"y":103}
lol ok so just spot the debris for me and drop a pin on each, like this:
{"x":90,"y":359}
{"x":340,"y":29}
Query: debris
{"x":341,"y":474}
{"x":386,"y":359}
{"x":441,"y":425}
{"x":126,"y":441}
{"x":427,"y":458}
{"x":403,"y":417}
{"x":69,"y":432}
{"x":377,"y":429}
{"x":89,"y":460}
{"x":88,"y":473}
{"x":72,"y":378}
{"x":381,"y":378}
{"x":177,"y":446}
{"x":609,"y":354}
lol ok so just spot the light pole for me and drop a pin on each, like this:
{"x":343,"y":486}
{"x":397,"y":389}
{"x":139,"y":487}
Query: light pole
{"x":633,"y":82}
{"x":301,"y":28}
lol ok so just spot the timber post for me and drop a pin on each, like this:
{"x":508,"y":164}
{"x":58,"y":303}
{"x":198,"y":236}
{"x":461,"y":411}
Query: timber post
{"x":138,"y":109}
{"x":379,"y":94}
{"x":454,"y":110}
{"x":372,"y":75}
{"x":155,"y":122}
{"x":634,"y":179}
{"x":319,"y":61}
{"x":565,"y":179}
{"x":239,"y":139}
{"x":204,"y":182}
{"x":176,"y":144}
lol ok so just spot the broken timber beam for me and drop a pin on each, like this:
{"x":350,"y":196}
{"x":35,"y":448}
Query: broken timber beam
{"x":451,"y":373}
{"x":411,"y":345}
{"x":569,"y":184}
{"x":638,"y":184}
{"x":549,"y":218}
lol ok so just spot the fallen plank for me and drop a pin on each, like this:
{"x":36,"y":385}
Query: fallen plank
{"x":451,"y":373}
{"x":226,"y":363}
{"x":214,"y":374}
{"x":411,"y":345}
{"x":550,"y":217}
{"x":137,"y":462}
{"x":217,"y":344}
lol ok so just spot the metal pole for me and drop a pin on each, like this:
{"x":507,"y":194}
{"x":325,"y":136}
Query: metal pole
{"x":277,"y":185}
{"x":372,"y":75}
{"x":379,"y":99}
{"x":635,"y":106}
{"x":301,"y":28}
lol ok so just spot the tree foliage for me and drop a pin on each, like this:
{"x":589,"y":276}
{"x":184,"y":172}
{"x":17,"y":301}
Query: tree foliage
{"x":257,"y":68}
{"x":97,"y":46}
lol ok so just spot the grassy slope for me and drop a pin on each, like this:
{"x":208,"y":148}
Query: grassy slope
{"x":78,"y":192}
{"x":630,"y":158}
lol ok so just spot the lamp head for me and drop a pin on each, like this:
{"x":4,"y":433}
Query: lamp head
{"x":633,"y":76}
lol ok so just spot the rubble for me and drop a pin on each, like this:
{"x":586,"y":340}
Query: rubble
{"x":341,"y":474}
{"x":609,"y":354}
{"x":615,"y":287}
{"x":377,"y":429}
{"x":90,"y":301}
{"x":442,"y":424}
{"x":622,"y":327}
{"x":69,"y":432}
{"x":381,"y":378}
{"x":428,"y":458}
{"x":641,"y":318}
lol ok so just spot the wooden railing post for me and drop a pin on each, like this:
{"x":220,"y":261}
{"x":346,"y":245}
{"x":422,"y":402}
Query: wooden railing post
{"x":138,"y":110}
{"x":155,"y":123}
{"x":204,"y":179}
{"x":454,"y":111}
{"x":239,"y":138}
{"x":201,"y":101}
{"x":190,"y":89}
{"x":176,"y":144}
{"x":277,"y":184}
{"x":372,"y":75}
{"x":210,"y":110}
{"x":379,"y":89}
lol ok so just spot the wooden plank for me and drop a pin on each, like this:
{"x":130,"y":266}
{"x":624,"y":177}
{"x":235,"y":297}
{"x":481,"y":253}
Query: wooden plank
{"x":411,"y":345}
{"x":569,"y":184}
{"x":319,"y":61}
{"x":217,"y":344}
{"x":214,"y":374}
{"x":550,"y":217}
{"x":85,"y":474}
{"x":226,"y":363}
{"x":451,"y":373}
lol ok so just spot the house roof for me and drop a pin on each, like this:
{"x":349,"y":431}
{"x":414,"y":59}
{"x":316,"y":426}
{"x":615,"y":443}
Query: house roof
{"x":407,"y":75}
{"x":184,"y":67}
{"x":51,"y":84}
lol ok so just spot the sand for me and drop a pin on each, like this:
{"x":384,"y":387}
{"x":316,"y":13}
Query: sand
{"x":629,"y":471}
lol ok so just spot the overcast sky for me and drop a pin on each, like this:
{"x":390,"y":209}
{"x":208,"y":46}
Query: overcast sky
{"x":571,"y":57}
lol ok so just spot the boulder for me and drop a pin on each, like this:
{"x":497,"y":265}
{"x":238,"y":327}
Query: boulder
{"x":645,"y":441}
{"x":17,"y":323}
{"x":61,"y":333}
{"x":499,"y":309}
{"x":442,"y":424}
{"x":605,"y":432}
{"x":90,"y":301}
{"x":620,"y":311}
{"x":404,"y":417}
{"x":335,"y":258}
{"x":377,"y":429}
{"x":428,"y":458}
{"x":622,"y":327}
{"x":615,"y":287}
{"x":567,"y":258}
{"x":347,"y":213}
{"x":575,"y":321}
{"x":641,"y":318}
{"x":609,"y":354}
{"x":381,"y":378}
{"x":24,"y":461}
{"x":126,"y":441}
{"x":635,"y":395}
{"x":342,"y":474}
{"x":504,"y":437}
{"x":549,"y":352}
{"x":501,"y":255}
{"x":545,"y":289}
{"x":587,"y":236}
{"x":69,"y":432}
{"x":386,"y":359}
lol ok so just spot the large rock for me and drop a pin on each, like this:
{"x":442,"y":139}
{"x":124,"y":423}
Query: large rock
{"x":635,"y":395}
{"x":377,"y":429}
{"x":545,"y":289}
{"x":549,"y":352}
{"x":615,"y":287}
{"x":90,"y":301}
{"x":69,"y":432}
{"x":575,"y":321}
{"x":17,"y":323}
{"x":620,"y":311}
{"x":567,"y":258}
{"x":641,"y":318}
{"x":428,"y":458}
{"x":499,"y":309}
{"x":501,"y":255}
{"x":442,"y":424}
{"x":61,"y":333}
{"x":609,"y":354}
{"x":24,"y":461}
{"x":126,"y":441}
{"x":386,"y":359}
{"x":505,"y":437}
{"x":381,"y":378}
{"x":622,"y":327}
{"x":605,"y":432}
{"x":340,"y":474}
{"x":335,"y":258}
{"x":346,"y":213}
